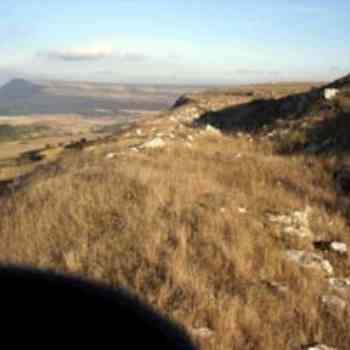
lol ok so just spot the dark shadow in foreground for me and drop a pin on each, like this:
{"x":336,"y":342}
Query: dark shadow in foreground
{"x":45,"y":309}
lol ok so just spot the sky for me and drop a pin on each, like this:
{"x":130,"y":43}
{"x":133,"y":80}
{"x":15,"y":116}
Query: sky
{"x":175,"y":42}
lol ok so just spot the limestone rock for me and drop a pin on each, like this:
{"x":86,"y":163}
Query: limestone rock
{"x":334,"y":304}
{"x":329,"y":94}
{"x":211,"y":130}
{"x":310,"y":260}
{"x":242,"y":210}
{"x":341,"y":286}
{"x":339,"y":247}
{"x":202,"y":333}
{"x":155,"y":143}
{"x":111,"y":155}
{"x":334,"y":246}
{"x":318,"y":347}
{"x":295,"y":223}
{"x":340,"y":283}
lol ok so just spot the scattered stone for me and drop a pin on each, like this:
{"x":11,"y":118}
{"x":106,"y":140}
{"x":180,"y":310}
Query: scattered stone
{"x":294,"y":224}
{"x":134,"y":149}
{"x":334,"y":304}
{"x":155,"y":143}
{"x":202,"y":333}
{"x":329,"y":94}
{"x":341,"y":286}
{"x":242,"y":210}
{"x":318,"y":347}
{"x":337,"y":247}
{"x":300,"y":232}
{"x":190,"y":138}
{"x":139,"y":132}
{"x":188,"y":144}
{"x":272,"y":134}
{"x":210,"y":129}
{"x":239,"y":155}
{"x":111,"y":155}
{"x":310,"y":260}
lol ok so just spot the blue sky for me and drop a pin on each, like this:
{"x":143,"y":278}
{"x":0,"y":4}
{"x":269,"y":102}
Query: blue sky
{"x":192,"y":42}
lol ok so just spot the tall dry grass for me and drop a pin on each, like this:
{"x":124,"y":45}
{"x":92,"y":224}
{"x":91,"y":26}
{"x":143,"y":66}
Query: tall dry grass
{"x":168,"y":225}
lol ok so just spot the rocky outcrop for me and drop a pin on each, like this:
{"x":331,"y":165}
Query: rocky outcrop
{"x":294,"y":224}
{"x":310,"y":260}
{"x":154,"y":143}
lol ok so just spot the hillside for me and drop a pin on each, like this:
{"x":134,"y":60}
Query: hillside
{"x":229,"y":213}
{"x":22,"y":97}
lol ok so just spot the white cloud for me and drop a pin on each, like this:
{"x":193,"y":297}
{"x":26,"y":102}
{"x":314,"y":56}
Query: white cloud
{"x":93,"y":53}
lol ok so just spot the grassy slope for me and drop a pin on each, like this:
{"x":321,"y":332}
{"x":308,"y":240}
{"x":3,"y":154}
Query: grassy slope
{"x":167,"y":224}
{"x":11,"y":133}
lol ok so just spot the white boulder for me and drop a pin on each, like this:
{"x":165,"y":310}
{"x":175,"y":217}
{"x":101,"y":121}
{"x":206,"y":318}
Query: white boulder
{"x":211,"y":130}
{"x":339,"y":247}
{"x":329,"y":94}
{"x":319,"y":347}
{"x":111,"y":155}
{"x":155,"y":143}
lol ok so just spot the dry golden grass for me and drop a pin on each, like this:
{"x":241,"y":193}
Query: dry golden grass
{"x":167,"y":224}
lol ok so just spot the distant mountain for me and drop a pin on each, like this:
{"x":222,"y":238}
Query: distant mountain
{"x":24,"y":97}
{"x":19,"y":88}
